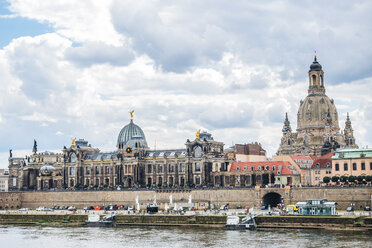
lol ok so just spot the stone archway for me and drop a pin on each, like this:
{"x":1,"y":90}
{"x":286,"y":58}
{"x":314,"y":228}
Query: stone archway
{"x":272,"y":199}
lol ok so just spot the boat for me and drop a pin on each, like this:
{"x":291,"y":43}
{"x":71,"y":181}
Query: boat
{"x":95,"y":221}
{"x":234,"y":223}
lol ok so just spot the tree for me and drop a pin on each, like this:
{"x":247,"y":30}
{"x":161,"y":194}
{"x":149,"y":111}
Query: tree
{"x":335,"y":179}
{"x":360,"y":178}
{"x":351,"y":179}
{"x":343,"y":179}
{"x":368,"y":178}
{"x":326,"y":180}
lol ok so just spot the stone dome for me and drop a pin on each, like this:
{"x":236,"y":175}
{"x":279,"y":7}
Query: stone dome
{"x":315,"y":111}
{"x":131,"y":135}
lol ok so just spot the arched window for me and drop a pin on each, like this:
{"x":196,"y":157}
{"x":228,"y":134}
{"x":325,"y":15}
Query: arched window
{"x":197,"y":152}
{"x":313,"y":79}
{"x":73,"y":158}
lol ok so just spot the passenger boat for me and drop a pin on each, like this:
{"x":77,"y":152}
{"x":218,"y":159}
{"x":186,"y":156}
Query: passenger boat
{"x":234,"y":223}
{"x":95,"y":221}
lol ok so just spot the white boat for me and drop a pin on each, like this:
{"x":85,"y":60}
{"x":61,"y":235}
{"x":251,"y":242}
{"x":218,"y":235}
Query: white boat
{"x":107,"y":221}
{"x":234,"y":223}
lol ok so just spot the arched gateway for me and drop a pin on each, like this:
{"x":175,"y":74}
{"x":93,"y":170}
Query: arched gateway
{"x":272,"y":199}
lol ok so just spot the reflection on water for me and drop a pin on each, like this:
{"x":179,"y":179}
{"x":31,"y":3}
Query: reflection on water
{"x":32,"y":236}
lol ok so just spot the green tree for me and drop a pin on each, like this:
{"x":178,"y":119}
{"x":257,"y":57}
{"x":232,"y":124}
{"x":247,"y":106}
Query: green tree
{"x":351,"y":179}
{"x":326,"y":180}
{"x":343,"y":179}
{"x":368,"y":178}
{"x":360,"y":178}
{"x":335,"y":179}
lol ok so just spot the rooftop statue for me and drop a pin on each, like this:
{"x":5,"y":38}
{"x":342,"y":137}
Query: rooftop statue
{"x":131,"y":115}
{"x":73,"y":142}
{"x":197,"y":134}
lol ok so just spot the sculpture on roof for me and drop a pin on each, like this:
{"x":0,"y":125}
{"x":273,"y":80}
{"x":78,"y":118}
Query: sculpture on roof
{"x":10,"y":153}
{"x":131,"y":114}
{"x":34,"y":149}
{"x":197,"y":134}
{"x":73,"y":142}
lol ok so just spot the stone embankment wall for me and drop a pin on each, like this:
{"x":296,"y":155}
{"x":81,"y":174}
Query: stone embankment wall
{"x":10,"y":200}
{"x":243,"y":197}
{"x":219,"y":221}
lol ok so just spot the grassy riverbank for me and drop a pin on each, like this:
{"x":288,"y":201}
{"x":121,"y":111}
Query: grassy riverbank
{"x":217,"y":221}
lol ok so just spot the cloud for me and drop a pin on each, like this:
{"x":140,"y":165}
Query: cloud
{"x":233,"y":69}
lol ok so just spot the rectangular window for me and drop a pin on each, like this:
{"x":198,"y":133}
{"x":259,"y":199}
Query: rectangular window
{"x":238,"y":168}
{"x":182,"y":167}
{"x":197,"y":166}
{"x":197,"y":179}
{"x":97,"y":170}
{"x":87,"y":182}
{"x":370,"y":166}
{"x":160,"y":168}
{"x":354,"y":166}
{"x":72,"y":171}
{"x":87,"y":170}
{"x":182,"y":181}
{"x":107,"y":170}
{"x":171,"y":167}
{"x":337,"y":167}
{"x":149,"y":168}
{"x":363,"y":166}
{"x":345,"y":167}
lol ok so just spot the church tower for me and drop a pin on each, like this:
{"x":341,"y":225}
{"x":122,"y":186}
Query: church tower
{"x":318,"y":130}
{"x":349,"y":134}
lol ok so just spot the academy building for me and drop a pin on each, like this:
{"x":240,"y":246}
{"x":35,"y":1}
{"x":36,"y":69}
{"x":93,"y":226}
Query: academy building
{"x":133,"y":164}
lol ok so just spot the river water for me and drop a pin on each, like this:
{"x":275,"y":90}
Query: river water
{"x":51,"y":237}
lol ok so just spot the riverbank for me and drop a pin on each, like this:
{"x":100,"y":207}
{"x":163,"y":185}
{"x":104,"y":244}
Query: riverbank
{"x":212,"y":221}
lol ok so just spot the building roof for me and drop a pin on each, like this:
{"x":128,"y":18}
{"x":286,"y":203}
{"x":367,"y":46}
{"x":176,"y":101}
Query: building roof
{"x":353,"y":153}
{"x":323,"y":162}
{"x":304,"y":162}
{"x":278,"y":167}
{"x":166,"y":153}
{"x":131,"y":135}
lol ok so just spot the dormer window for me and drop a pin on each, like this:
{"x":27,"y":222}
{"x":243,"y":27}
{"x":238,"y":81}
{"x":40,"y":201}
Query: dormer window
{"x":317,"y":165}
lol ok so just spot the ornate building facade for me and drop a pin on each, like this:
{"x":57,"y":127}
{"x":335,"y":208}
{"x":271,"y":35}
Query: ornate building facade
{"x":133,"y":164}
{"x":318,"y":130}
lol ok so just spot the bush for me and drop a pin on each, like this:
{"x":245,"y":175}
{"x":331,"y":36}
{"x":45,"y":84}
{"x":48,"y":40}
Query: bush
{"x":335,"y":179}
{"x":368,"y":178}
{"x":326,"y":179}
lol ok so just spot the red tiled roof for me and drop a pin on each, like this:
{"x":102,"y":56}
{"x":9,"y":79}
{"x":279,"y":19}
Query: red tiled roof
{"x":264,"y":166}
{"x":323,"y":162}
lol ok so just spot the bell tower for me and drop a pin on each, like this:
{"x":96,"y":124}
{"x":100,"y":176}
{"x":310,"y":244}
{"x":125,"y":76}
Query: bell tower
{"x":316,"y":79}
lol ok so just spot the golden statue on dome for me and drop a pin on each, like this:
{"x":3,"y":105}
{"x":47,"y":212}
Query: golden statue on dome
{"x":131,"y":114}
{"x":73,"y":142}
{"x":197,"y":134}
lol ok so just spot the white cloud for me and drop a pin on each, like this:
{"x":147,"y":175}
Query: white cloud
{"x":233,"y":70}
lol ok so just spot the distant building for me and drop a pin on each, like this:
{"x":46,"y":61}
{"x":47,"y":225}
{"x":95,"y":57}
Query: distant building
{"x":302,"y":164}
{"x":352,"y":162}
{"x":245,"y":174}
{"x":318,"y":130}
{"x":4,"y":179}
{"x":322,"y":167}
{"x":249,"y":153}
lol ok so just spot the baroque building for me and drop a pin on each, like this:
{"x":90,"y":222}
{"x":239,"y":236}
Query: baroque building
{"x":133,"y":164}
{"x":318,"y":130}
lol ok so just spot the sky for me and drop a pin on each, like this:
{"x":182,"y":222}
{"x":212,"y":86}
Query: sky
{"x":233,"y":68}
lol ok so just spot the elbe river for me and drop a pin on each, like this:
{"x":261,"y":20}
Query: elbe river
{"x":51,"y":237}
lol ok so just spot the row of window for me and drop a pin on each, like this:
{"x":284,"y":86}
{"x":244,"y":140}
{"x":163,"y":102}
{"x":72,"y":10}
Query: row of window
{"x":354,"y":166}
{"x":171,"y":167}
{"x":258,"y":168}
{"x":98,"y":170}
